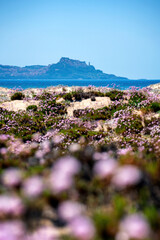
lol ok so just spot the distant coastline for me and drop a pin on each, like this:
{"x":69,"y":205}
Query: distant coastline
{"x":66,"y":72}
{"x":65,"y":69}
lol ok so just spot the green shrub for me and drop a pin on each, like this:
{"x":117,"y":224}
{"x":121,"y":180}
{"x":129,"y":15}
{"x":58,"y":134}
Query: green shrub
{"x":97,"y":94}
{"x":155,"y":106}
{"x":68,"y":96}
{"x":114,"y":108}
{"x":51,"y":107}
{"x":74,"y":133}
{"x":114,"y":95}
{"x":44,"y":96}
{"x":106,"y":224}
{"x":132,"y":123}
{"x":32,"y":108}
{"x":77,"y":96}
{"x":17,"y":96}
{"x":136,"y":98}
{"x":91,"y":114}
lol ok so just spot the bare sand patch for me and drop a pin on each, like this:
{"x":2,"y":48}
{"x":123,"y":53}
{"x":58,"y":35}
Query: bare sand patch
{"x":5,"y":94}
{"x":155,"y":86}
{"x":17,"y":105}
{"x":2,"y":89}
{"x":87,"y":103}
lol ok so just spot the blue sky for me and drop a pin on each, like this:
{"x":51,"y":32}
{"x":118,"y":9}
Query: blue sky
{"x":117,"y":36}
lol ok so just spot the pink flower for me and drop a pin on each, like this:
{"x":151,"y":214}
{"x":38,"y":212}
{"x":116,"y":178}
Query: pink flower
{"x":105,"y":168}
{"x":126,"y":176}
{"x":69,"y":210}
{"x":40,"y":154}
{"x":67,"y":165}
{"x":57,"y":139}
{"x":134,"y":226}
{"x":12,"y":177}
{"x":124,"y":151}
{"x":46,"y":146}
{"x":101,"y":156}
{"x":12,"y":230}
{"x":74,"y":147}
{"x":82,"y":228}
{"x":3,"y":151}
{"x":36,"y":136}
{"x":61,"y":177}
{"x":33,"y":186}
{"x":60,"y":182}
{"x":11,"y":205}
{"x":44,"y":233}
{"x":4,"y":137}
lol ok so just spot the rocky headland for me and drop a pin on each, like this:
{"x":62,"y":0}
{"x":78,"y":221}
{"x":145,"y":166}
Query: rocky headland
{"x":66,"y":68}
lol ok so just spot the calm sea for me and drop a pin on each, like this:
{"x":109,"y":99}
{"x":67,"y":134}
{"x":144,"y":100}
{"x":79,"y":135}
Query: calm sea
{"x":43,"y":83}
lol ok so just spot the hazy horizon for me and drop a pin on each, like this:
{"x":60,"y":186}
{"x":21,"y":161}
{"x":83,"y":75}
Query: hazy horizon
{"x":118,"y":37}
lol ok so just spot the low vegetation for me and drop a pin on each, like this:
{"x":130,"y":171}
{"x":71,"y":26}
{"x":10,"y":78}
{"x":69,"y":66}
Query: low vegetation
{"x":17,"y":96}
{"x":91,"y":176}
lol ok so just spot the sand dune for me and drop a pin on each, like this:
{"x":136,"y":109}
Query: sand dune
{"x":87,"y":103}
{"x":17,"y":105}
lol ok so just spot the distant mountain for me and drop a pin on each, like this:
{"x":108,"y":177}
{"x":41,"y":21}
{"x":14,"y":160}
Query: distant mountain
{"x":65,"y":69}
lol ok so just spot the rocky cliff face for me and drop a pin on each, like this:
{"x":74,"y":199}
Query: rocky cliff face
{"x":65,"y":69}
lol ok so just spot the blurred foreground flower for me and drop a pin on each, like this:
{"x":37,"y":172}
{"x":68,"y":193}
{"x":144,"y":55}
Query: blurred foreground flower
{"x":12,"y":177}
{"x":33,"y":186}
{"x":44,"y":233}
{"x":101,"y":156}
{"x":74,"y":147}
{"x":61,"y":177}
{"x":57,"y":139}
{"x":126,"y":176}
{"x":12,"y":230}
{"x":105,"y":168}
{"x":82,"y":228}
{"x":134,"y":226}
{"x":68,"y":165}
{"x":3,"y":151}
{"x":124,"y":151}
{"x":11,"y":205}
{"x":68,"y":210}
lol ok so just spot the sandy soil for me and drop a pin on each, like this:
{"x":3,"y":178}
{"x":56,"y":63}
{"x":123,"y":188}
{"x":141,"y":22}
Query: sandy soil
{"x":155,"y":86}
{"x":5,"y":94}
{"x":87,"y":103}
{"x":17,"y":105}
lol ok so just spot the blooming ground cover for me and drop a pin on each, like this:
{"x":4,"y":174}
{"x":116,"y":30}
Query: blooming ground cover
{"x":91,"y":176}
